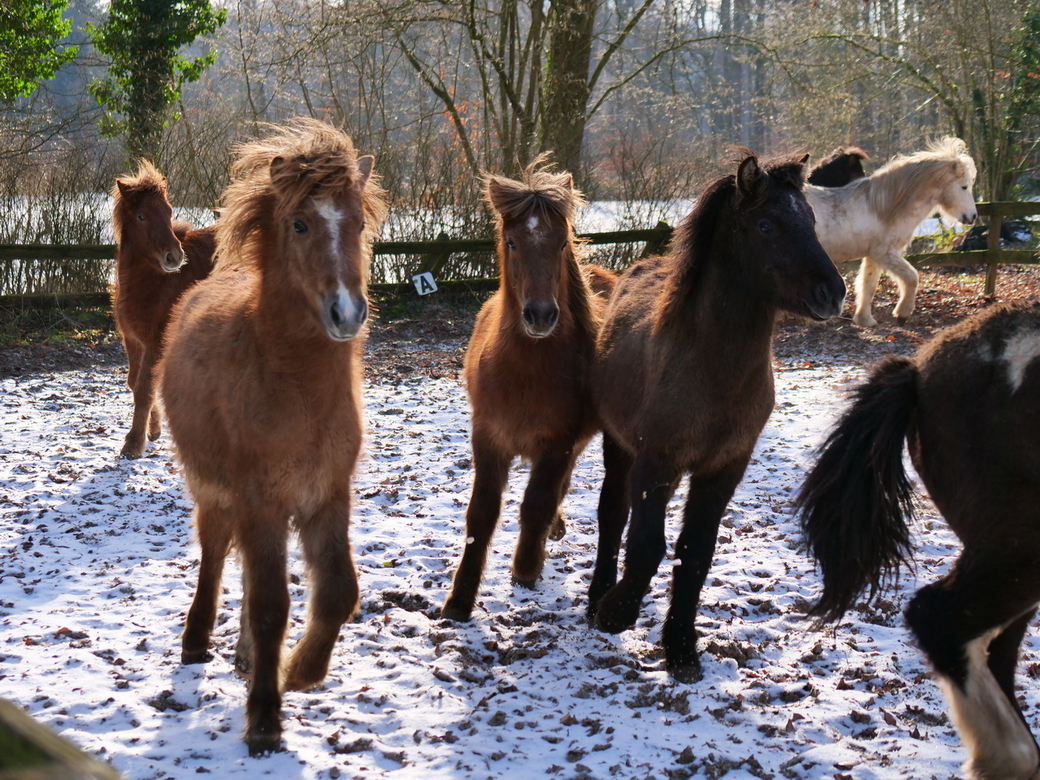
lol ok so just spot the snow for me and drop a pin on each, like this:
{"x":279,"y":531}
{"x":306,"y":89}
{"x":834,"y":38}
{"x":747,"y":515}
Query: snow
{"x":98,"y":568}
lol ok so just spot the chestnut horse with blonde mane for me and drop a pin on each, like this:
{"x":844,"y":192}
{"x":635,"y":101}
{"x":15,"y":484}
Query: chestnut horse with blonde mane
{"x":261,"y":381}
{"x":874,"y":217}
{"x":527,"y":372}
{"x":157,"y":259}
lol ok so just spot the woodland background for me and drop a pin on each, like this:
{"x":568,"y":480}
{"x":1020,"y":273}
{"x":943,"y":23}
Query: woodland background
{"x":643,"y":100}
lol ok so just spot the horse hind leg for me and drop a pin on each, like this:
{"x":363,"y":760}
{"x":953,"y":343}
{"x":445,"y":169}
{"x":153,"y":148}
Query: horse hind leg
{"x":907,"y":279}
{"x":214,"y":534}
{"x":491,"y":470}
{"x":539,"y":511}
{"x":334,"y":594}
{"x":866,"y":285}
{"x":612,"y":514}
{"x":154,"y":423}
{"x":558,"y":530}
{"x":982,"y":703}
{"x":144,"y":404}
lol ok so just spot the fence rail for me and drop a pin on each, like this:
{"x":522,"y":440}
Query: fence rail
{"x":656,"y":238}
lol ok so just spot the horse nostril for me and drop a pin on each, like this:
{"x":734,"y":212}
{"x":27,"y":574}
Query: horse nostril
{"x":528,"y":314}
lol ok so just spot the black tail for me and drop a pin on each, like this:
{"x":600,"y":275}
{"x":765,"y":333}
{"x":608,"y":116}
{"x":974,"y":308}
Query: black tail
{"x":855,"y":502}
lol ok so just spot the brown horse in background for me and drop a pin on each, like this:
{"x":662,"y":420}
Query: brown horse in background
{"x":527,"y":372}
{"x":157,"y":259}
{"x":968,"y":410}
{"x":684,"y":383}
{"x":261,"y":381}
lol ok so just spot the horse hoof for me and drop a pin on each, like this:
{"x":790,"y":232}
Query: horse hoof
{"x":459,"y":614}
{"x":559,"y":529}
{"x":901,"y":320}
{"x":264,"y":739}
{"x":131,"y":452}
{"x":611,"y":622}
{"x":686,"y":671}
{"x":196,"y":656}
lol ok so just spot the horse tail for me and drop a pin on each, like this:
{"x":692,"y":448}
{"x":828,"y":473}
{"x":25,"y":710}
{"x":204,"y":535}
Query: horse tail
{"x":856,"y":501}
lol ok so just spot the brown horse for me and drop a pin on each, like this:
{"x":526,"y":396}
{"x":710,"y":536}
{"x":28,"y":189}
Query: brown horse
{"x":843,"y":165}
{"x":527,"y":372}
{"x":684,"y":382}
{"x":157,"y":259}
{"x":968,"y":409}
{"x":261,"y":381}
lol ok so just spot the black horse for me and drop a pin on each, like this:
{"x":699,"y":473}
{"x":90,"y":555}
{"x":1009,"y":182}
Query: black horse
{"x":683,"y":382}
{"x":968,"y":408}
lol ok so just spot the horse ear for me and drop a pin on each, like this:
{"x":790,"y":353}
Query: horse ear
{"x":124,"y":186}
{"x":748,"y":176}
{"x":279,"y":167}
{"x":365,"y":165}
{"x":495,"y":192}
{"x":805,"y":158}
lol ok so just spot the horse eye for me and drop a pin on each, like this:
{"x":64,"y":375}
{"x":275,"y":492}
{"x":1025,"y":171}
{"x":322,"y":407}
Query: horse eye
{"x":765,"y":226}
{"x":510,"y":243}
{"x":299,"y":226}
{"x":362,"y":226}
{"x":140,"y":217}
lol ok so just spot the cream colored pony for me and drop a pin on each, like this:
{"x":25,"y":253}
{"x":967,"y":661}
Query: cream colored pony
{"x":875,"y":217}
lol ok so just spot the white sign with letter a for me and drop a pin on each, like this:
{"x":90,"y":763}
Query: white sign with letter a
{"x":424,"y":283}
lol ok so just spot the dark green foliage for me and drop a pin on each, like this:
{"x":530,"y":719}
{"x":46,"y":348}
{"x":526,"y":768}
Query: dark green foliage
{"x":142,"y":39}
{"x":30,"y":48}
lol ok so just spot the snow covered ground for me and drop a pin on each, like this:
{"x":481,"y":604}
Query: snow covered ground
{"x":98,"y":568}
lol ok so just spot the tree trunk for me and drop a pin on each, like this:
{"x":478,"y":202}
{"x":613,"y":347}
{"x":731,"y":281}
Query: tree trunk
{"x":565,"y":94}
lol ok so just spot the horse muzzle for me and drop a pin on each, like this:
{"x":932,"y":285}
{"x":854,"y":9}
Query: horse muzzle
{"x":826,"y":299}
{"x":540,"y":317}
{"x":344,"y":314}
{"x":172,"y":260}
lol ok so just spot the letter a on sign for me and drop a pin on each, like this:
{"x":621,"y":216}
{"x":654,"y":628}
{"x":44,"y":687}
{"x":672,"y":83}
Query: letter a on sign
{"x":424,"y":283}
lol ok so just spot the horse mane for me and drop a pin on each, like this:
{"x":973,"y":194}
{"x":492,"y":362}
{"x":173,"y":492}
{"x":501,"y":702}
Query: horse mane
{"x":271,"y":177}
{"x":694,"y":238}
{"x":894,"y":185}
{"x":544,"y":191}
{"x":127,"y":189}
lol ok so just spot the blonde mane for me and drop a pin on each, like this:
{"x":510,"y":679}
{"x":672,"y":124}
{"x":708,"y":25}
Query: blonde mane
{"x":896,"y":184}
{"x":273,"y":176}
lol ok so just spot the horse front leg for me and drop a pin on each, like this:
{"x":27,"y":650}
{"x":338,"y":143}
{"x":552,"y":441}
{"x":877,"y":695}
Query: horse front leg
{"x":866,"y":285}
{"x":651,"y":488}
{"x":262,"y":543}
{"x":694,"y":551}
{"x":144,"y":401}
{"x":907,"y":279}
{"x":612,"y":514}
{"x":539,"y":511}
{"x":214,"y":532}
{"x":491,"y":469}
{"x":981,"y":605}
{"x":334,"y":592}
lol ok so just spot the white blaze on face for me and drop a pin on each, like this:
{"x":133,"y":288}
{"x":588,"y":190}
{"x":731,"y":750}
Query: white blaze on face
{"x":1020,"y":351}
{"x":532,"y":224}
{"x":333,"y":216}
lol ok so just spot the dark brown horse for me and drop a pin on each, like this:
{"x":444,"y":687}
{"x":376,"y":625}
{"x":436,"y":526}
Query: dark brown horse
{"x":157,"y":259}
{"x":261,"y":381}
{"x":968,"y":409}
{"x":843,"y":165}
{"x":527,"y":373}
{"x":684,"y":382}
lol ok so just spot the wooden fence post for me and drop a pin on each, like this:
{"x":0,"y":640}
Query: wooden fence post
{"x":993,"y":247}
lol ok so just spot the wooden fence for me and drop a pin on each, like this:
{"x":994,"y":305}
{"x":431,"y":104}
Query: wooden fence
{"x":435,"y":252}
